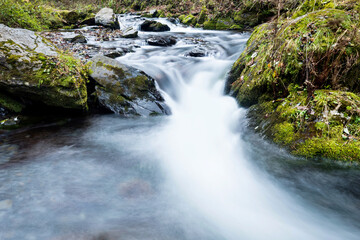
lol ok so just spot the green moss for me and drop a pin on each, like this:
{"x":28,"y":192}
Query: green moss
{"x":189,"y":20}
{"x":325,"y":126}
{"x":312,"y":5}
{"x":202,"y":16}
{"x":224,"y":24}
{"x":284,"y":133}
{"x":29,"y":15}
{"x":329,"y":148}
{"x":161,"y":13}
{"x":236,"y":27}
{"x":321,"y":41}
{"x":55,"y":81}
{"x":181,"y":18}
{"x":210,"y":25}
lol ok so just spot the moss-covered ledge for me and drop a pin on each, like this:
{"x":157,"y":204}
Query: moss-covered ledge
{"x":327,"y":126}
{"x":300,"y":78}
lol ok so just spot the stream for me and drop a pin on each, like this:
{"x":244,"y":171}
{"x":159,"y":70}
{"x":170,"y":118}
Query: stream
{"x":199,"y":173}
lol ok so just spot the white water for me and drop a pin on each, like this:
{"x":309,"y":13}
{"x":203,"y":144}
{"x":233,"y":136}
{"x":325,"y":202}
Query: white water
{"x":203,"y":158}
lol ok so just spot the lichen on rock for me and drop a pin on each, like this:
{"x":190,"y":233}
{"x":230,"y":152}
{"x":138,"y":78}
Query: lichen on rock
{"x":36,"y":71}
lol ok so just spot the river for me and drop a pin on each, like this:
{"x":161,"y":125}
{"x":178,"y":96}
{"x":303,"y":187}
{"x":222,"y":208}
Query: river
{"x":199,"y":173}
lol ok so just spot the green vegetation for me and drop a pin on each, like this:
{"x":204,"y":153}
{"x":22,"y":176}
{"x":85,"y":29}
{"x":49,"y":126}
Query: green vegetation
{"x":54,"y":80}
{"x":40,"y":15}
{"x":321,"y":50}
{"x":327,"y":126}
{"x":300,"y":75}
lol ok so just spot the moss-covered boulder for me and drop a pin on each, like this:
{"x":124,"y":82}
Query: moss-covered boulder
{"x":320,"y":50}
{"x":125,"y":90}
{"x":189,"y":20}
{"x":328,"y":125}
{"x":33,"y":71}
{"x":301,"y":78}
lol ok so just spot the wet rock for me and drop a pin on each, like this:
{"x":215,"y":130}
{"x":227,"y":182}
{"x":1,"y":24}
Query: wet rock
{"x":107,"y":18}
{"x":78,"y":39}
{"x":33,"y":70}
{"x":161,"y":41}
{"x":173,"y":20}
{"x":153,"y":26}
{"x":89,"y":22}
{"x":125,"y":90}
{"x":130,"y":32}
{"x":114,"y":54}
{"x":197,"y":52}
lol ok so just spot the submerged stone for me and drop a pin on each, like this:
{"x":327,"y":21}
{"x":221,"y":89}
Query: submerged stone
{"x":161,"y":41}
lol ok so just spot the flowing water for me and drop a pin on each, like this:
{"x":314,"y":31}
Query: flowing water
{"x":197,"y":174}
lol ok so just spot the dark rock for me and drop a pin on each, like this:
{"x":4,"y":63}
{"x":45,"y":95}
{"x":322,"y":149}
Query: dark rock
{"x":173,"y":20}
{"x":78,"y":39}
{"x":161,"y":41}
{"x":107,"y":18}
{"x":153,"y":26}
{"x":197,"y":52}
{"x":71,"y":17}
{"x":130,"y":33}
{"x":125,"y":90}
{"x":114,"y":54}
{"x":89,"y":22}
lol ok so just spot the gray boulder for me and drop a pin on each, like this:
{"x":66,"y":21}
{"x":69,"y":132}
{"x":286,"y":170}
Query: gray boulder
{"x":129,"y":32}
{"x":107,"y":18}
{"x":126,"y":90}
{"x":32,"y":69}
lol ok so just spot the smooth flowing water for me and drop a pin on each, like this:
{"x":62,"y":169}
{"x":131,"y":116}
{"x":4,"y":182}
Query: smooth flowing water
{"x":197,"y":174}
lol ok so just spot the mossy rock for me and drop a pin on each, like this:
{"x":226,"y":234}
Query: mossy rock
{"x":125,"y":90}
{"x":327,"y":126}
{"x":210,"y":24}
{"x":34,"y":69}
{"x":202,"y":16}
{"x":323,"y":46}
{"x":224,"y":24}
{"x":154,"y":26}
{"x":189,"y":20}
